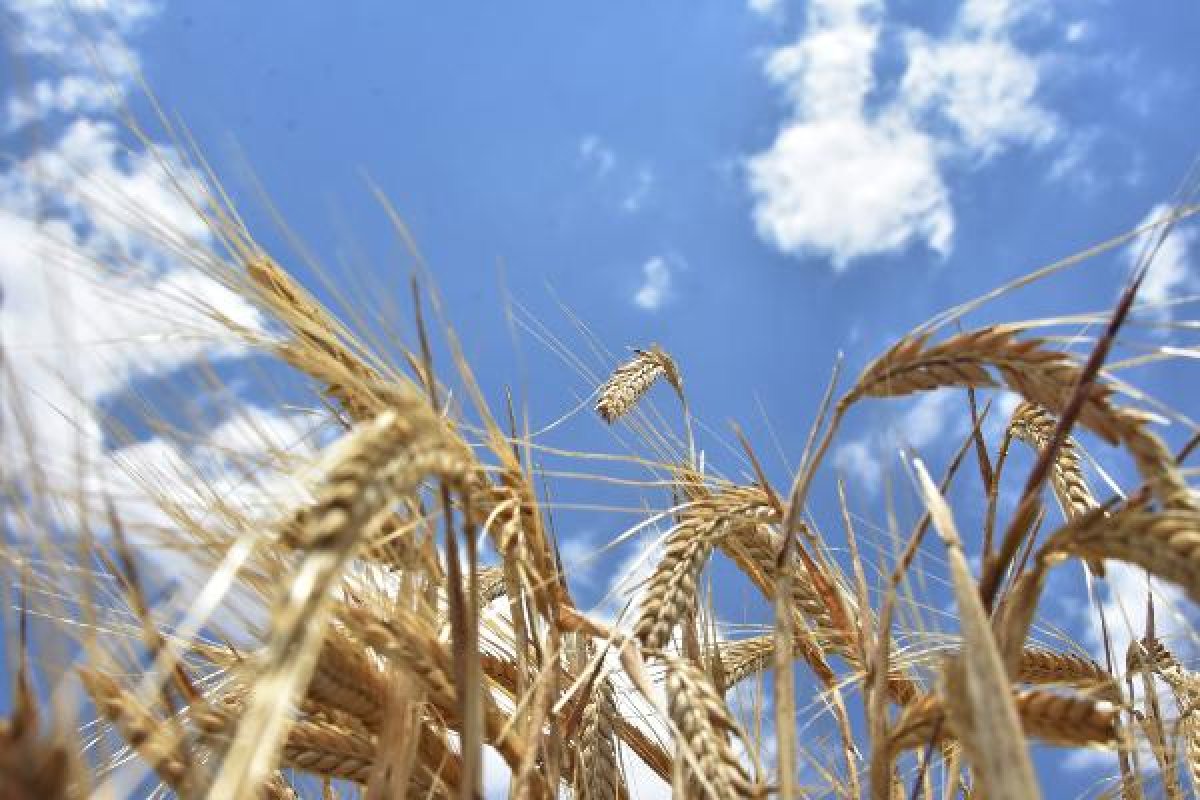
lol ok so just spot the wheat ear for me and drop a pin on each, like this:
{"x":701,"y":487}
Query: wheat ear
{"x":1166,"y":544}
{"x":600,"y":776}
{"x":704,"y":730}
{"x":630,"y":381}
{"x":1056,"y":719}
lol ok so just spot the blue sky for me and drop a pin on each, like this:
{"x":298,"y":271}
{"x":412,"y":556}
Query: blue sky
{"x":756,"y":187}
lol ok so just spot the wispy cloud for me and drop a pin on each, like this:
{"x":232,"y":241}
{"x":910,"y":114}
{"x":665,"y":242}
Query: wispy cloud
{"x":846,"y":178}
{"x":767,"y":7}
{"x":1170,"y":275}
{"x":74,"y":75}
{"x":597,"y":155}
{"x":643,"y":185}
{"x":656,"y":285}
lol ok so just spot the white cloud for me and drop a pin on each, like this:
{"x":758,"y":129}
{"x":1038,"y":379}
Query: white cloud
{"x":857,"y":459}
{"x":930,"y":417}
{"x":1077,"y":31}
{"x":766,"y":7}
{"x":656,"y":284}
{"x":991,"y":16}
{"x":847,"y":189}
{"x":579,"y":557}
{"x":1170,"y":275}
{"x":103,"y":270}
{"x":597,"y":155}
{"x":984,"y":86}
{"x":850,"y":176}
{"x":1072,"y":162}
{"x":81,"y":43}
{"x":635,"y":198}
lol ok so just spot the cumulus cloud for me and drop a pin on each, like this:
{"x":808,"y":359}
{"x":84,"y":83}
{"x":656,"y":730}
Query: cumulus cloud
{"x":848,"y":189}
{"x":1170,"y":275}
{"x":850,"y":175}
{"x":656,"y":284}
{"x":102,"y":261}
{"x":984,"y":86}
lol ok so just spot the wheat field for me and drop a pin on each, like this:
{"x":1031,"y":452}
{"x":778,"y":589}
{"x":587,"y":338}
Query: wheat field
{"x":390,"y":616}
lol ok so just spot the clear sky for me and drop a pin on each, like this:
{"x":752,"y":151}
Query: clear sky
{"x":758,"y":187}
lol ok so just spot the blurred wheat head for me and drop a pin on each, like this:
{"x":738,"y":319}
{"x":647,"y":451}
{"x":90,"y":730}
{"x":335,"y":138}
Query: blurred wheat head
{"x":393,"y":613}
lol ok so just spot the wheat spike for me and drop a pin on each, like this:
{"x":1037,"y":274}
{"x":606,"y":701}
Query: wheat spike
{"x":347,"y":680}
{"x":742,"y":658}
{"x":704,"y":729}
{"x":491,"y":584}
{"x":670,"y":594}
{"x":158,"y":743}
{"x":1067,"y":721}
{"x":1166,"y":544}
{"x":1040,"y":666}
{"x":625,"y":387}
{"x":1034,"y":426}
{"x":1053,"y":718}
{"x":318,"y":348}
{"x":367,"y":472}
{"x":600,"y":777}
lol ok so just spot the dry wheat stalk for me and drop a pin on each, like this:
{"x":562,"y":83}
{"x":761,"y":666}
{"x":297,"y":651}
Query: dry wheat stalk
{"x":704,"y":731}
{"x":625,"y":387}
